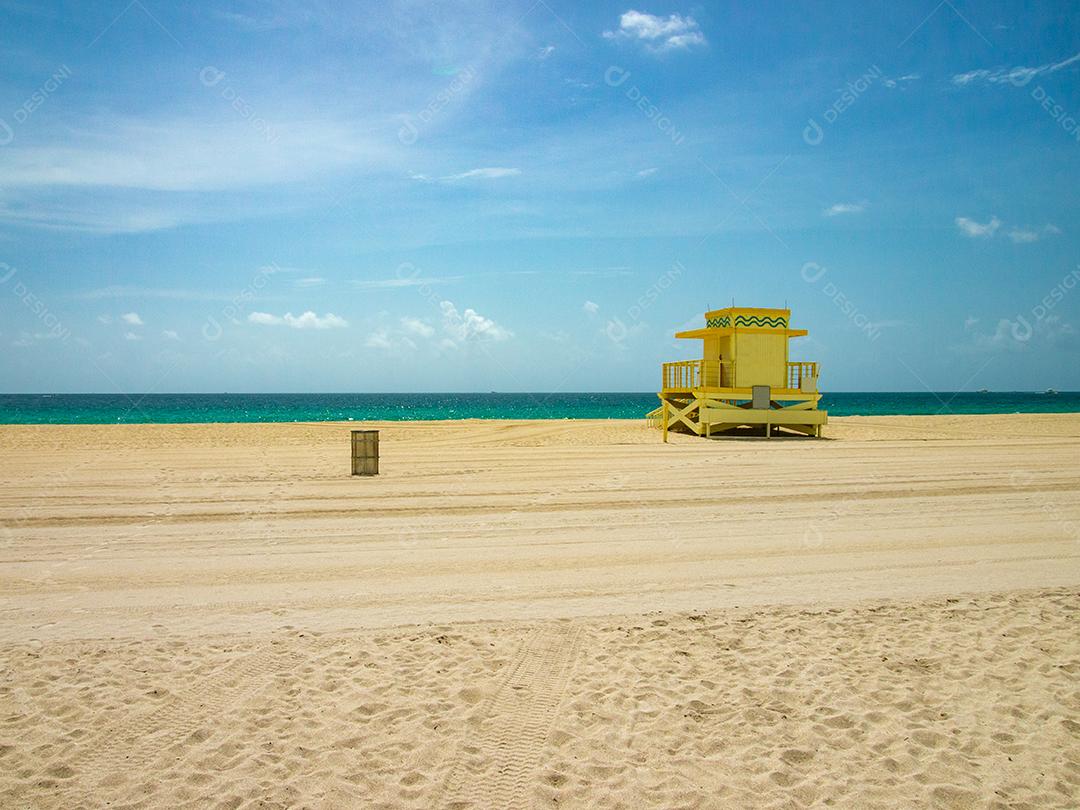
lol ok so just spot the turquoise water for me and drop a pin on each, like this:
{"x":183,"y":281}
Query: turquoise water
{"x":112,"y":408}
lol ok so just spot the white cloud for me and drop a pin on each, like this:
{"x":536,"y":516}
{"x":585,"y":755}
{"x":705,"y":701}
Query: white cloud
{"x":1026,"y":235}
{"x":378,"y":340}
{"x":845,"y":208}
{"x":104,"y":319}
{"x":132,"y":318}
{"x":131,"y":336}
{"x":170,"y":334}
{"x":417,"y":327}
{"x":306,"y":283}
{"x":647,"y":172}
{"x":658,"y":33}
{"x":307,"y":320}
{"x":545,"y":52}
{"x":470,"y":324}
{"x":386,"y":340}
{"x":1018,"y":76}
{"x":970,"y":227}
{"x":970,"y":321}
{"x":591,"y":307}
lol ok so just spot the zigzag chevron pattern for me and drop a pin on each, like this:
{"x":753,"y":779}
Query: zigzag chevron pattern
{"x":748,"y":320}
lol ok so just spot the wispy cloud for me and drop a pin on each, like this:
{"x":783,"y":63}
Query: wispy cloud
{"x":99,"y":219}
{"x":132,"y":318}
{"x":900,"y":81}
{"x":603,"y":272}
{"x":1025,"y":235}
{"x":975,"y":230}
{"x":1019,"y":235}
{"x":130,"y":291}
{"x":591,"y":307}
{"x":845,"y":208}
{"x":306,"y":320}
{"x":408,"y":281}
{"x":659,"y":34}
{"x":307,"y":283}
{"x":1018,"y":76}
{"x":649,"y":172}
{"x":1005,"y":338}
{"x":487,"y":173}
{"x":170,"y":334}
{"x":184,"y":155}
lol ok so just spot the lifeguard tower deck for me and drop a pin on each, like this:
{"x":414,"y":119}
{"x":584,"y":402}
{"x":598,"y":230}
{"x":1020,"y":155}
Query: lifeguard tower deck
{"x":744,"y":378}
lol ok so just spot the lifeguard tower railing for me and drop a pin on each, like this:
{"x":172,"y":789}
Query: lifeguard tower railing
{"x":693,"y":375}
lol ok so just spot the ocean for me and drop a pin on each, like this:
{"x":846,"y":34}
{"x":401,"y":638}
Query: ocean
{"x":176,"y":408}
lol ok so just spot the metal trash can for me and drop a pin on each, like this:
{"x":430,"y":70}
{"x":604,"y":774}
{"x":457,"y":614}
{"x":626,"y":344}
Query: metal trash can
{"x":365,"y":452}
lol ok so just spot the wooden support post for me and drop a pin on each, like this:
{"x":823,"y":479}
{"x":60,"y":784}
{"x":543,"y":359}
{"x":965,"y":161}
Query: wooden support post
{"x":664,"y":417}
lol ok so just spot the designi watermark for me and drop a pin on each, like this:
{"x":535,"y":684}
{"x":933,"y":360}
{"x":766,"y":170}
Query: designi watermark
{"x":1062,"y":116}
{"x":49,"y":319}
{"x":813,"y":273}
{"x":1022,"y":328}
{"x":616,"y":328}
{"x":814,"y":133}
{"x":616,"y":76}
{"x":211,"y":77}
{"x":212,"y":330}
{"x":410,"y":129}
{"x":22,"y":113}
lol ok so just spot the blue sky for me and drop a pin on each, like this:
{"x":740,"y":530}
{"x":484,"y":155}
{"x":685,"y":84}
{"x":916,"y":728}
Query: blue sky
{"x":287,"y":196}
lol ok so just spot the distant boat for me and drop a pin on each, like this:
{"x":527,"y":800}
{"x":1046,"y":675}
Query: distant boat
{"x":983,"y":391}
{"x":1050,"y":391}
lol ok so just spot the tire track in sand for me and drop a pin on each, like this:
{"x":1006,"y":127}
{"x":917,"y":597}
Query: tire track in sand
{"x":495,"y":768}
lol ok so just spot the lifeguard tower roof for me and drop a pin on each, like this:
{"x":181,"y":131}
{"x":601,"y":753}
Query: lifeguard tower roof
{"x":722,"y":322}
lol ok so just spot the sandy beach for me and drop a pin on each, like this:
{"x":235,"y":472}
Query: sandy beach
{"x":548,"y":613}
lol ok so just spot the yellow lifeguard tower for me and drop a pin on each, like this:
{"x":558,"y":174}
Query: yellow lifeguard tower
{"x":743,"y":379}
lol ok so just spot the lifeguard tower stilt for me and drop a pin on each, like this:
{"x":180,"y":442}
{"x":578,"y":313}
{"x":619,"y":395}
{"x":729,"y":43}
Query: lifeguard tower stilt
{"x":744,"y":378}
